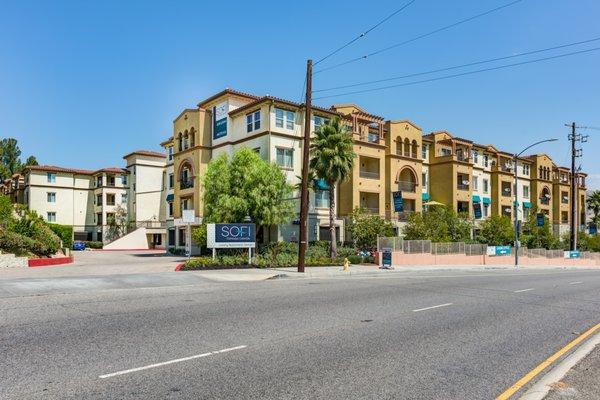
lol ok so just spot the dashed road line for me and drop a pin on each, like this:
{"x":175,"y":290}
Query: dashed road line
{"x":178,"y":360}
{"x":575,"y":283}
{"x":523,"y":290}
{"x":432,"y":307}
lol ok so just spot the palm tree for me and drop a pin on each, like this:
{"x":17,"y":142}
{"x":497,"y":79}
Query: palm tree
{"x":593,"y":203}
{"x":332,"y":160}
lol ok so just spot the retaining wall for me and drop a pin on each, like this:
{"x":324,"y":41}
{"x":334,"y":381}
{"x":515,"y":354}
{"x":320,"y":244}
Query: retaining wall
{"x":399,"y":259}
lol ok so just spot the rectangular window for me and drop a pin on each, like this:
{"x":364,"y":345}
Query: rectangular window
{"x":446,"y":151}
{"x":526,"y":191}
{"x":253,"y":121}
{"x":424,"y":179}
{"x":424,"y":152}
{"x":486,"y":210}
{"x":322,"y":198}
{"x":486,"y":160}
{"x":284,"y":118}
{"x":51,"y":176}
{"x":526,"y":169}
{"x":319,"y":121}
{"x":285,"y":157}
{"x":475,"y":183}
{"x":51,"y":197}
{"x":99,"y":181}
{"x":171,"y":181}
{"x":51,"y":216}
{"x":486,"y":186}
{"x":99,"y":200}
{"x":170,"y":152}
{"x":124,"y":198}
{"x":182,"y":236}
{"x":475,"y":155}
{"x":170,"y":209}
{"x":124,"y":180}
{"x":110,"y":199}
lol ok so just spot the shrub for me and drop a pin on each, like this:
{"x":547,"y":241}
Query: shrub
{"x":365,"y":228}
{"x":354,"y":259}
{"x":64,"y":232}
{"x":16,"y":243}
{"x":6,"y":210}
{"x":93,"y":244}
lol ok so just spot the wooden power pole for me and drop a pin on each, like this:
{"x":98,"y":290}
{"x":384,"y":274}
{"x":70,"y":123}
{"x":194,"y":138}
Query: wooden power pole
{"x":303,"y":240}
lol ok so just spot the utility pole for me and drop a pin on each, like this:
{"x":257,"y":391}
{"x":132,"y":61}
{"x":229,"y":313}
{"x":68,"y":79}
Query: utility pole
{"x":575,"y":152}
{"x":303,"y":240}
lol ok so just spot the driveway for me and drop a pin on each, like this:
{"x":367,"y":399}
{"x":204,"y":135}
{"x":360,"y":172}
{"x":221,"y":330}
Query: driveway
{"x":101,"y":263}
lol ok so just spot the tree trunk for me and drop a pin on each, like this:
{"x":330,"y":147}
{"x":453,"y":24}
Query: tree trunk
{"x":332,"y":236}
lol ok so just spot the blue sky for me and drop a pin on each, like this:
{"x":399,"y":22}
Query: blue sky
{"x":83,"y":83}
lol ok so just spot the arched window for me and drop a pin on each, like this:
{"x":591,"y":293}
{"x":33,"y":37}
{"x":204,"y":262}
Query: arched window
{"x":415,"y":149}
{"x":192,"y":137}
{"x":399,"y":146}
{"x":179,"y":142}
{"x":407,"y":180}
{"x":406,"y":147}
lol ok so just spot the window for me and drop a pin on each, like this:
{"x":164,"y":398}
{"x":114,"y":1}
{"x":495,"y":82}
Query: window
{"x":134,"y":187}
{"x":170,"y":208}
{"x":171,"y":181}
{"x":475,"y":155}
{"x":186,"y":204}
{"x":475,"y":183}
{"x":486,"y":210}
{"x":51,"y":176}
{"x":51,"y":216}
{"x":256,"y":150}
{"x":285,"y":157}
{"x":322,"y":198}
{"x":526,"y":191}
{"x":51,"y":197}
{"x":124,"y":198}
{"x":319,"y":121}
{"x":182,"y":236}
{"x":99,"y":200}
{"x":424,"y":152}
{"x":253,"y":121}
{"x":124,"y":180}
{"x":170,"y":153}
{"x":526,"y":169}
{"x":99,"y":181}
{"x":486,"y":185}
{"x":446,"y":152}
{"x":486,"y":160}
{"x":110,"y":199}
{"x":424,"y":179}
{"x":284,"y":118}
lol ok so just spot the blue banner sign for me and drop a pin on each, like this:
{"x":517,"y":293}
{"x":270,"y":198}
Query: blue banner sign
{"x":477,"y":210}
{"x":541,"y":219}
{"x":502,"y":250}
{"x":593,"y":229}
{"x":220,"y":120}
{"x":386,"y":258}
{"x":398,"y":202}
{"x":573,"y":254}
{"x":230,"y":235}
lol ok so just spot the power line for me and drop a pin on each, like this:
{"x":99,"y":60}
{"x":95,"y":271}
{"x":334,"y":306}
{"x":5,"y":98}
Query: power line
{"x":456,"y":66}
{"x":419,"y":37}
{"x":365,"y":32}
{"x":589,"y":127}
{"x":461,"y":74}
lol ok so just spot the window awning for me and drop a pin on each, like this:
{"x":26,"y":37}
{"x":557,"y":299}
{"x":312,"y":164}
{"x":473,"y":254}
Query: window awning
{"x":487,"y":200}
{"x":170,"y":197}
{"x":425,"y":196}
{"x":320,"y":184}
{"x":526,"y":204}
{"x":476,"y":198}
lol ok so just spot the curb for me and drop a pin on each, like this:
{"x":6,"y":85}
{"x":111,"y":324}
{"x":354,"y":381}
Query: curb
{"x":179,"y":266}
{"x":541,"y":388}
{"x":48,"y":262}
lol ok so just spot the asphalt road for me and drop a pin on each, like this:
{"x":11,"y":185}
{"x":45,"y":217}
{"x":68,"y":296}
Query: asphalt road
{"x":464,"y":335}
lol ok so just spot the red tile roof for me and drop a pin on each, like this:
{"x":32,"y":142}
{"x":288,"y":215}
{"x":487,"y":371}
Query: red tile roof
{"x":54,"y":168}
{"x":228,"y":91}
{"x":146,"y":153}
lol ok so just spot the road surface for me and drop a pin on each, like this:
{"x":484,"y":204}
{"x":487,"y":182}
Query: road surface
{"x":436,"y":335}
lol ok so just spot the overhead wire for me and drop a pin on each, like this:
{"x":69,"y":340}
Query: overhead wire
{"x":352,"y":60}
{"x":461,"y":74}
{"x":456,"y":66}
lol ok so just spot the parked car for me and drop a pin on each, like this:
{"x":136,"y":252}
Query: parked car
{"x":78,"y":245}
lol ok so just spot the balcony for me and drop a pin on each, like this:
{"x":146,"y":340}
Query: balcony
{"x":545,"y":200}
{"x":369,"y":174}
{"x":373,"y":138}
{"x":186,"y":184}
{"x":462,"y":186}
{"x":371,"y":210}
{"x":404,"y":215}
{"x":407,"y":186}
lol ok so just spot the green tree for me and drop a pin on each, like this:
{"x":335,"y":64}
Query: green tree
{"x":245,"y":185}
{"x":438,"y":224}
{"x":9,"y":154}
{"x":365,"y":228}
{"x":593,"y":204}
{"x":332,"y":160}
{"x":31,"y":160}
{"x":6,"y":210}
{"x":496,"y":230}
{"x":535,"y":237}
{"x":117,"y":224}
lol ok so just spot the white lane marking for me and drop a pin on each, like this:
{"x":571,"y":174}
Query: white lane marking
{"x":575,"y":283}
{"x":432,"y":307}
{"x":524,"y":290}
{"x":127,"y":371}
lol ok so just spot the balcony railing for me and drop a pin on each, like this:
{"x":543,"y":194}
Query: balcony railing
{"x":462,"y":186}
{"x":544,"y":200}
{"x":407,"y":186}
{"x":370,"y":210}
{"x":506,"y":192}
{"x":369,"y":174}
{"x":404,"y":215}
{"x":186,"y":183}
{"x":373,"y":138}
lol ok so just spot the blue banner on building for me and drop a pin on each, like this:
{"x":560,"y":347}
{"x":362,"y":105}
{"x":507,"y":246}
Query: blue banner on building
{"x":220,"y":120}
{"x":477,"y":210}
{"x":541,"y":219}
{"x":398,"y":202}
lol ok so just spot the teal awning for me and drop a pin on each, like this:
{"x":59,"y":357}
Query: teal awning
{"x":476,"y":198}
{"x":170,"y":197}
{"x":526,"y":204}
{"x":425,"y":196}
{"x":320,"y":184}
{"x":487,"y":200}
{"x":516,"y":203}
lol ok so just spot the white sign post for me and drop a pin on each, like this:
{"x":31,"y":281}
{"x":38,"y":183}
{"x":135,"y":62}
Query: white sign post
{"x":188,"y":218}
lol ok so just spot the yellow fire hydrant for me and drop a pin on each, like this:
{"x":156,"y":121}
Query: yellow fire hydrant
{"x":346,"y":264}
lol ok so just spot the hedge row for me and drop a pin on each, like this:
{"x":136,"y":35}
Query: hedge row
{"x":64,"y":232}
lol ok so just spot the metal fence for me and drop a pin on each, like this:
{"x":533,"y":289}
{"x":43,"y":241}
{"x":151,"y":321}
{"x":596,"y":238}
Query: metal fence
{"x":416,"y":246}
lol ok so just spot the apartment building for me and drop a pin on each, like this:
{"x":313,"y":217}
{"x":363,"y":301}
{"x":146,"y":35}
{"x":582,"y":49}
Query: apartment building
{"x":88,"y":200}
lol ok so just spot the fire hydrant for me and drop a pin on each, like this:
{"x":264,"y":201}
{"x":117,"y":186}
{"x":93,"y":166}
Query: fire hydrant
{"x":346,"y":264}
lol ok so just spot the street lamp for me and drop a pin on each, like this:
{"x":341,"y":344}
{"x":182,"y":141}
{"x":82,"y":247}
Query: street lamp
{"x":516,"y":201}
